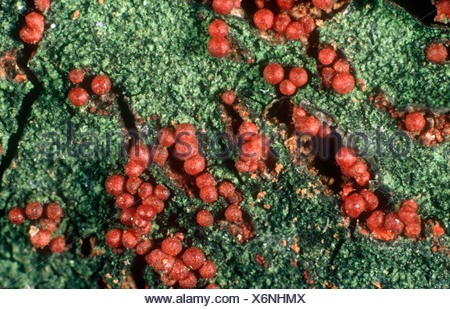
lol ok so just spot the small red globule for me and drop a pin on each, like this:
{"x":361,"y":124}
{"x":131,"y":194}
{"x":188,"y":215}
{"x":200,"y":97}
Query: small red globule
{"x":76,"y":76}
{"x":376,"y":220}
{"x":228,"y":97}
{"x":179,"y":270}
{"x":298,"y":76}
{"x":194,"y":165}
{"x":287,"y":87}
{"x":415,"y":122}
{"x":30,"y":35}
{"x":115,"y":184}
{"x":437,"y":53}
{"x":281,"y":22}
{"x":101,"y":85}
{"x":193,"y":258}
{"x":124,"y":200}
{"x":247,"y":130}
{"x":233,"y":213}
{"x":205,"y":180}
{"x":171,"y":246}
{"x":218,"y":47}
{"x":341,"y":66}
{"x":189,"y":282}
{"x":166,"y":137}
{"x":285,"y":4}
{"x":145,"y":190}
{"x":42,"y":5}
{"x":36,"y":21}
{"x":154,"y":202}
{"x":57,"y":245}
{"x":126,"y":216}
{"x":139,"y":153}
{"x":34,"y":210}
{"x":48,"y":225}
{"x":161,"y":192}
{"x":134,"y":168}
{"x":167,"y":280}
{"x":160,"y":261}
{"x":327,"y":75}
{"x":132,"y":185}
{"x":358,"y":169}
{"x":129,"y":238}
{"x":53,"y":211}
{"x":393,"y":223}
{"x":443,"y":7}
{"x":78,"y":96}
{"x":208,"y":270}
{"x":40,"y":239}
{"x":323,"y":4}
{"x":327,"y":55}
{"x":146,"y":212}
{"x":413,"y":229}
{"x":209,"y":194}
{"x":159,"y":154}
{"x":114,"y":238}
{"x":143,"y":247}
{"x":226,"y":189}
{"x":205,"y":218}
{"x":307,"y":23}
{"x":370,"y":198}
{"x":273,"y":73}
{"x":212,"y":286}
{"x":218,"y":28}
{"x":310,"y":125}
{"x":263,"y":19}
{"x":294,"y":30}
{"x":16,"y":215}
{"x":343,"y":83}
{"x":346,"y":157}
{"x":223,"y":6}
{"x":354,"y":205}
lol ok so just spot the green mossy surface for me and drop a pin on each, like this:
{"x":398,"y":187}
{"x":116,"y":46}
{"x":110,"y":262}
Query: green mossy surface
{"x":155,"y":54}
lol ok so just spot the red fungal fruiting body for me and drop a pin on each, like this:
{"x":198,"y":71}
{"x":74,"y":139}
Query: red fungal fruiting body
{"x":30,"y":35}
{"x":78,"y":96}
{"x":273,"y":73}
{"x":346,"y":190}
{"x":145,"y":190}
{"x":443,"y":7}
{"x":327,"y":76}
{"x":410,"y":203}
{"x":212,"y":286}
{"x":144,"y":230}
{"x":143,"y":247}
{"x":186,"y":147}
{"x":233,"y":213}
{"x":242,"y":166}
{"x":208,"y":270}
{"x":76,"y":76}
{"x":48,"y":225}
{"x":154,"y":202}
{"x":114,"y":238}
{"x":132,"y":185}
{"x":437,"y":53}
{"x":382,"y":233}
{"x":285,"y":4}
{"x":186,"y":129}
{"x":363,"y":179}
{"x":124,"y":200}
{"x":167,"y":280}
{"x":160,"y":261}
{"x":415,"y":122}
{"x":298,"y":113}
{"x":204,"y":181}
{"x":327,"y":55}
{"x":298,"y":76}
{"x":412,"y":230}
{"x":228,"y":97}
{"x":129,"y":238}
{"x":259,"y":3}
{"x":193,"y":258}
{"x":309,"y":124}
{"x":179,"y":271}
{"x":134,"y":169}
{"x":194,"y":165}
{"x":393,"y":223}
{"x":343,"y":83}
{"x":218,"y":47}
{"x":167,"y":137}
{"x":146,"y":212}
{"x":161,"y":192}
{"x":126,"y":216}
{"x":139,"y":153}
{"x":159,"y":155}
{"x":346,"y":157}
{"x":179,"y":235}
{"x":115,"y":184}
{"x":222,"y":6}
{"x":294,"y":30}
{"x":218,"y":28}
{"x":263,"y":19}
{"x":407,"y":215}
{"x":16,"y":215}
{"x":34,"y":210}
{"x":376,"y":220}
{"x":247,"y":130}
{"x":171,"y":246}
{"x":280,"y":22}
{"x":324,"y":131}
{"x":226,"y":189}
{"x":341,"y":66}
{"x":322,"y":4}
{"x":53,"y":211}
{"x":209,"y":194}
{"x":36,"y":21}
{"x":287,"y":87}
{"x":205,"y":218}
{"x":40,"y":239}
{"x":354,"y":205}
{"x":307,"y":23}
{"x":437,"y":230}
{"x":370,"y":199}
{"x":358,"y":169}
{"x":57,"y":245}
{"x":42,"y":5}
{"x":101,"y":85}
{"x":189,"y":282}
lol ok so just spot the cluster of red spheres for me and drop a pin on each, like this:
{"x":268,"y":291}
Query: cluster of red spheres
{"x":274,"y":74}
{"x":352,"y":166}
{"x":335,"y":71}
{"x":218,"y":45}
{"x":78,"y":96}
{"x":253,"y":148}
{"x":139,"y":200}
{"x":437,"y":53}
{"x":183,"y":266}
{"x":282,"y":23}
{"x":42,"y":236}
{"x":34,"y":29}
{"x":308,"y":124}
{"x":443,"y":10}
